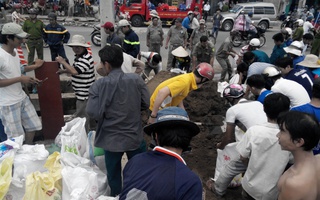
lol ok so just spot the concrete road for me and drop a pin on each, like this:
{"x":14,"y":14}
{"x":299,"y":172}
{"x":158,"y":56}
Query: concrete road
{"x":85,"y":31}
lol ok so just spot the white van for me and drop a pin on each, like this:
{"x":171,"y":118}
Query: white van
{"x":264,"y":14}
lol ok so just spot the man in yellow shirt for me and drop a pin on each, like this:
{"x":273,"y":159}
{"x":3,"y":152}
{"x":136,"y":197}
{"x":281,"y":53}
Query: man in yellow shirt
{"x":172,"y":91}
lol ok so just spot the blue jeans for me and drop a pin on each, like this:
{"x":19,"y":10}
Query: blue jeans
{"x":58,"y":50}
{"x":215,"y":31}
{"x":113,"y":165}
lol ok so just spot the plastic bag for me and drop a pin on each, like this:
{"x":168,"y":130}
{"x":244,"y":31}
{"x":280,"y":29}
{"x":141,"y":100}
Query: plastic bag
{"x":72,"y":137}
{"x":89,"y":154}
{"x":90,"y":182}
{"x":223,"y":158}
{"x":47,"y":185}
{"x":9,"y":147}
{"x":5,"y":176}
{"x":32,"y":156}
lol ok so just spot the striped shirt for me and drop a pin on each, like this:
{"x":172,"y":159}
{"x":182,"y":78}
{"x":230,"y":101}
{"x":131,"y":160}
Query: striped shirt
{"x":86,"y":76}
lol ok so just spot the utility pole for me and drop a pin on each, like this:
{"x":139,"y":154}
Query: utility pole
{"x":71,"y":7}
{"x":106,"y":14}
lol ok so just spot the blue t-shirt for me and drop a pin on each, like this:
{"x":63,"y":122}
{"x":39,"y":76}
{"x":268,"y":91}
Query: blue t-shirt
{"x":186,"y":22}
{"x":263,"y":95}
{"x":296,"y":61}
{"x":303,"y":77}
{"x":310,"y":109}
{"x":159,"y":175}
{"x":261,"y":56}
{"x":277,"y":52}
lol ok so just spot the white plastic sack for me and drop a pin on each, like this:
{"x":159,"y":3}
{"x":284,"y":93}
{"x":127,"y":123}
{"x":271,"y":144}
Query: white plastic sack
{"x":223,"y":158}
{"x":33,"y":157}
{"x":90,"y":182}
{"x":221,"y":87}
{"x":9,"y":147}
{"x":72,"y":137}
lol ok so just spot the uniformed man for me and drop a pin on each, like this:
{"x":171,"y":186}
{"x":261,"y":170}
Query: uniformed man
{"x":203,"y":52}
{"x":177,"y":36}
{"x":197,"y":33}
{"x":34,"y":27}
{"x":155,"y":35}
{"x":131,"y":43}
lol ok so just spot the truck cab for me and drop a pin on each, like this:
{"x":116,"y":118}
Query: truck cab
{"x":138,"y":11}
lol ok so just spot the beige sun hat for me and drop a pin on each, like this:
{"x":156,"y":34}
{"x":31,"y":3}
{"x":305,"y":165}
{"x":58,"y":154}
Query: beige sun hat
{"x":310,"y":61}
{"x":78,"y":41}
{"x":180,"y":52}
{"x":154,"y":13}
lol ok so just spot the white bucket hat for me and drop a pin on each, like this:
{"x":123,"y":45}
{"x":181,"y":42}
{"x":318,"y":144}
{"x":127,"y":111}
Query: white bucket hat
{"x":78,"y":41}
{"x":310,"y":61}
{"x":180,"y":52}
{"x":13,"y":29}
{"x":202,"y":21}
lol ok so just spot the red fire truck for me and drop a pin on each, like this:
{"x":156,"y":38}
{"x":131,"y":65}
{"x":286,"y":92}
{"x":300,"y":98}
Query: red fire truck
{"x":138,"y":11}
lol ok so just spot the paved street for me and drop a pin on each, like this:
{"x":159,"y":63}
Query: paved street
{"x":85,"y":31}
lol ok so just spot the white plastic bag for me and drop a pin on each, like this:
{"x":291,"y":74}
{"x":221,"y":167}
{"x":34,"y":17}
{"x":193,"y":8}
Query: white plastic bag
{"x":223,"y":158}
{"x":90,"y":183}
{"x":72,"y":137}
{"x":9,"y":147}
{"x":89,"y":154}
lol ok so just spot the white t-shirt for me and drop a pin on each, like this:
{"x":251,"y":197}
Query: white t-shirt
{"x":195,"y":23}
{"x":130,"y":63}
{"x":296,"y":92}
{"x":10,"y":68}
{"x":206,"y":7}
{"x":149,"y":57}
{"x":266,"y":161}
{"x":257,"y":68}
{"x":249,"y":113}
{"x":306,"y":27}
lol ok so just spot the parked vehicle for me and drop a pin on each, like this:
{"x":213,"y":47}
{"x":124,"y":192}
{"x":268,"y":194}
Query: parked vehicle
{"x":96,"y":35}
{"x":243,"y":37}
{"x":264,"y":14}
{"x":138,"y":11}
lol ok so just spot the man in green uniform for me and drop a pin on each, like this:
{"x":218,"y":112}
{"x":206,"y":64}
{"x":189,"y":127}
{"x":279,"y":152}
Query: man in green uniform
{"x":203,"y":52}
{"x":177,"y":36}
{"x":155,"y":35}
{"x":34,"y":28}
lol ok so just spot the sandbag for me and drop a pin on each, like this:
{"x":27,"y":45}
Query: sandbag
{"x":72,"y":137}
{"x":46,"y":185}
{"x":223,"y":158}
{"x":90,"y":183}
{"x":5,"y":175}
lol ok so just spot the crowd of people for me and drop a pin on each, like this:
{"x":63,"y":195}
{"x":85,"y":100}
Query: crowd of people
{"x":274,"y":100}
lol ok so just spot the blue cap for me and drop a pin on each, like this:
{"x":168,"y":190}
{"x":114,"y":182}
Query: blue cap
{"x":172,"y":116}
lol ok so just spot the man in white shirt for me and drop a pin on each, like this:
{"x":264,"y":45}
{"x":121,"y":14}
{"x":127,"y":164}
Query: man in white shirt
{"x":16,"y":110}
{"x":260,"y":151}
{"x":154,"y":62}
{"x":296,"y":92}
{"x":206,"y":9}
{"x":243,"y":114}
{"x":307,"y":26}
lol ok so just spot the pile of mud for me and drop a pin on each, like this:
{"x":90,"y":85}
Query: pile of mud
{"x":207,"y":107}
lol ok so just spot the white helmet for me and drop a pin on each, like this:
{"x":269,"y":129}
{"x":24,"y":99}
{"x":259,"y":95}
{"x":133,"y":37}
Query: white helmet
{"x":297,"y":44}
{"x":271,"y":71}
{"x":300,"y":22}
{"x":255,"y":42}
{"x":289,"y":30}
{"x":123,"y":22}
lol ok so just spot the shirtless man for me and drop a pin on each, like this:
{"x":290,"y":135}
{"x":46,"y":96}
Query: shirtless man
{"x":299,"y":133}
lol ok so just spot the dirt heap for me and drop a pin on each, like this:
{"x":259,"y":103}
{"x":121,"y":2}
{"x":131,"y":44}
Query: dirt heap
{"x":207,"y":107}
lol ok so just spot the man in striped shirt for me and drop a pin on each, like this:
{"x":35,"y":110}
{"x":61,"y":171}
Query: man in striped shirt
{"x":83,"y":75}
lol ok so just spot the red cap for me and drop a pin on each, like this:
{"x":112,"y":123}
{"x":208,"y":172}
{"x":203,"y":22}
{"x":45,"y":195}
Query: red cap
{"x":107,"y":25}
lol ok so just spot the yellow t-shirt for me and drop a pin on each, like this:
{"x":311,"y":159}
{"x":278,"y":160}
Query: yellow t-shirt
{"x":179,"y":87}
